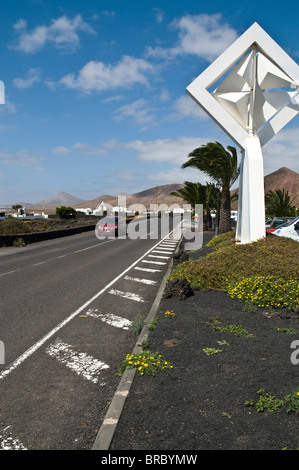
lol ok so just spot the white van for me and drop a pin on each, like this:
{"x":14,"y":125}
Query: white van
{"x":291,"y":230}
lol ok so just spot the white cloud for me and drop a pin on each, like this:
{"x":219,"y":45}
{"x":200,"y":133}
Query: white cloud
{"x":282,"y":150}
{"x":85,"y":149}
{"x":173,"y":151}
{"x":178,"y":175}
{"x":61,"y":150}
{"x":61,"y":32}
{"x":186,"y":107}
{"x":97,"y":76}
{"x":22,"y":158}
{"x":159,"y":14}
{"x":33,"y":76}
{"x":138,"y":110}
{"x":204,"y":35}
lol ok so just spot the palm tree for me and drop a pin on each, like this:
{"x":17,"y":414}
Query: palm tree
{"x":197,"y":193}
{"x":278,"y":203}
{"x":221,"y":166}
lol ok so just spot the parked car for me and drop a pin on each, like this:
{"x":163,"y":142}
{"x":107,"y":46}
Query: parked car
{"x":290,"y":230}
{"x":275,"y":222}
{"x":272,"y":229}
{"x":111,"y":226}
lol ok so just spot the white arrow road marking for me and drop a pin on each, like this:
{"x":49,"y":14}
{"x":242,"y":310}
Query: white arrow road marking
{"x":143,"y":281}
{"x":127,"y":295}
{"x":80,"y":362}
{"x":111,"y":319}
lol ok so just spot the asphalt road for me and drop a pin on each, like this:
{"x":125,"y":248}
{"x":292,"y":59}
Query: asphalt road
{"x":65,"y":309}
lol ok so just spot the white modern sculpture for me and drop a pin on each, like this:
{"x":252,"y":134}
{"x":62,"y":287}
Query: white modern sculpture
{"x":257,"y":97}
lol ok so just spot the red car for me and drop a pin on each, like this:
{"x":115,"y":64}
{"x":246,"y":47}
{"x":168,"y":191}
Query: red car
{"x":110,"y":226}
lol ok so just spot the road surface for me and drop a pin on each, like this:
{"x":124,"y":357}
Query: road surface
{"x":65,"y":310}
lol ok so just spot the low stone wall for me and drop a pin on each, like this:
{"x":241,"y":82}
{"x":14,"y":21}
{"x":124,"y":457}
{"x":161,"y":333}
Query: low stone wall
{"x":8,"y":240}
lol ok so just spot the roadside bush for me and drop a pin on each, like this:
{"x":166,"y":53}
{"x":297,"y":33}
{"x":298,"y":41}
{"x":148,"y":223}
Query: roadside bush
{"x":13,"y":226}
{"x":267,"y":291}
{"x":230,"y":264}
{"x":66,"y":212}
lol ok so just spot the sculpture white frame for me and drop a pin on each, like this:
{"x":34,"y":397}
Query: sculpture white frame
{"x":231,"y":118}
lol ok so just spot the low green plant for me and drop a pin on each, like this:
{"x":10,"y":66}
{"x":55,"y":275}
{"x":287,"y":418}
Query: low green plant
{"x":287,"y":331}
{"x":271,"y":403}
{"x":266,"y":402}
{"x":236,"y":330}
{"x":223,"y":343}
{"x":210,"y":351}
{"x":292,"y":402}
{"x":153,"y":325}
{"x":18,"y":242}
{"x":249,"y":307}
{"x":136,"y":325}
{"x":145,"y":362}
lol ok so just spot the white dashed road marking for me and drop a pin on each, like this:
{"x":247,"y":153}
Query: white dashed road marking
{"x":127,"y":295}
{"x":80,"y":362}
{"x":143,"y":281}
{"x":111,"y":319}
{"x":148,"y":270}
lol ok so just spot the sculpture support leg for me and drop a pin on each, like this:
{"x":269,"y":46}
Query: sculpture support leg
{"x":251,"y":204}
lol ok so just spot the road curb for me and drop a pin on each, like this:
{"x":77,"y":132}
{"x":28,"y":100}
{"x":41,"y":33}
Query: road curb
{"x":108,"y":427}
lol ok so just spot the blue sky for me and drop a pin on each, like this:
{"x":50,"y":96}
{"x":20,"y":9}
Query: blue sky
{"x":95,"y":92}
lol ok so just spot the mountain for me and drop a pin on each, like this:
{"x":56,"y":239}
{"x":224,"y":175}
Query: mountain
{"x":61,"y":199}
{"x":280,"y":179}
{"x":283,"y":178}
{"x":156,"y":195}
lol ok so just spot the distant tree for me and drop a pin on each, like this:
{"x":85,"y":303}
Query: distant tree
{"x":278,"y":204}
{"x":222,"y":167}
{"x":66,"y":212}
{"x":17,"y":206}
{"x":197,"y":193}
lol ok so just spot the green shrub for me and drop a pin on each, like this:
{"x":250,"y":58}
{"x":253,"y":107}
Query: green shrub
{"x":230,"y":264}
{"x":13,"y":226}
{"x":66,"y":212}
{"x":266,"y":291}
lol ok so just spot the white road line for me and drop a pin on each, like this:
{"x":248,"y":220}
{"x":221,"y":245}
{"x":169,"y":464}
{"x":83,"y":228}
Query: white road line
{"x":148,"y":270}
{"x":153,"y":262}
{"x":5,"y":274}
{"x":84,"y":365}
{"x":93,"y":246}
{"x":143,"y":281}
{"x":38,"y":264}
{"x":156,"y":256}
{"x":167,"y":245}
{"x":162,"y":252}
{"x":111,"y":319}
{"x":127,"y":295}
{"x":51,"y":333}
{"x":11,"y":443}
